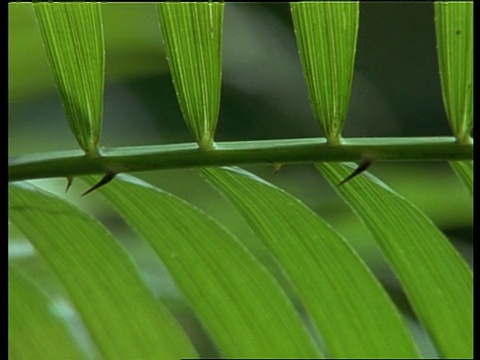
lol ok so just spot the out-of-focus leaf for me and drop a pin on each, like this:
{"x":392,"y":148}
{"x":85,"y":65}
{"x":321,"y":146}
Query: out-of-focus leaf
{"x":236,"y":299}
{"x":326,"y":35}
{"x":349,"y":307}
{"x":436,"y":280}
{"x":464,"y":170}
{"x":73,"y":37}
{"x":192,"y":34}
{"x":125,"y":321}
{"x":34,"y":331}
{"x":135,"y":24}
{"x":454,"y":29}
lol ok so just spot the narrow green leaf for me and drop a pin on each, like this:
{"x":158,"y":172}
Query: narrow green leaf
{"x":192,"y":34}
{"x":32,"y":325}
{"x":347,"y":304}
{"x":326,"y":35}
{"x":73,"y":37}
{"x":454,"y":29}
{"x":464,"y":170}
{"x":123,"y":317}
{"x":436,"y":280}
{"x":236,"y":299}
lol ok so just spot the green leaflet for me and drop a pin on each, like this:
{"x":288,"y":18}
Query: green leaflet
{"x":192,"y":35}
{"x":32,"y":325}
{"x":326,"y":35}
{"x":125,"y":42}
{"x":123,"y":318}
{"x":236,"y":299}
{"x":464,"y":171}
{"x":454,"y":29}
{"x":346,"y":302}
{"x":73,"y":37}
{"x":436,"y":280}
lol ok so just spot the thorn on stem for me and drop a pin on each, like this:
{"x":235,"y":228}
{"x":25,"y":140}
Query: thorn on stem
{"x":276,"y":168}
{"x":109,"y":175}
{"x":364,"y":165}
{"x":69,"y":183}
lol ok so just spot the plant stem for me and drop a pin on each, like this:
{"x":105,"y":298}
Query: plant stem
{"x":144,"y":158}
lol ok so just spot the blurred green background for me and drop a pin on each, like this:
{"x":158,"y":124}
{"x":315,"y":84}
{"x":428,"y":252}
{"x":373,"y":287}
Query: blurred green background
{"x":396,"y":92}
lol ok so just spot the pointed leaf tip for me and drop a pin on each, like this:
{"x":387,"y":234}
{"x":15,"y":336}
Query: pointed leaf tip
{"x":454,"y":31}
{"x":192,"y":35}
{"x":72,"y":35}
{"x":326,"y":34}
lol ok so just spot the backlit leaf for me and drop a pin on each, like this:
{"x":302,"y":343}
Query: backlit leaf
{"x":464,"y":171}
{"x":436,"y":280}
{"x":347,"y":304}
{"x":32,"y":325}
{"x":326,"y":35}
{"x":73,"y":37}
{"x":454,"y":29}
{"x":124,"y":319}
{"x":237,"y":300}
{"x":192,"y":34}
